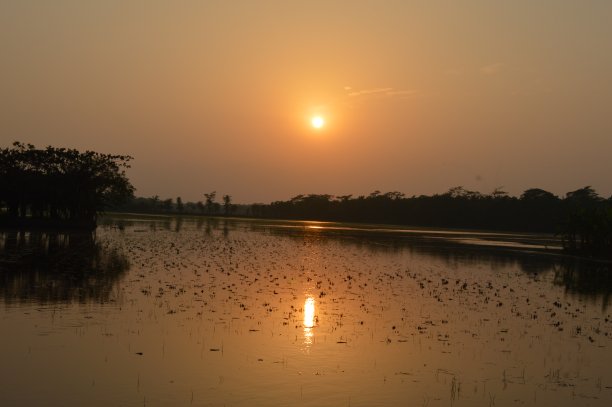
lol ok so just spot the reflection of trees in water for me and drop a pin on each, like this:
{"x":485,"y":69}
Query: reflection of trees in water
{"x":211,"y":224}
{"x":199,"y":222}
{"x":49,"y":267}
{"x":175,"y":223}
{"x":585,"y":278}
{"x":223,"y":224}
{"x":579,"y":277}
{"x":152,"y":224}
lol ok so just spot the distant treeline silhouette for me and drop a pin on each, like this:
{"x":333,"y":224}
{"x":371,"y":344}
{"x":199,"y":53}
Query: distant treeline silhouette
{"x":59,"y":186}
{"x":208,"y":207}
{"x":582,"y":218}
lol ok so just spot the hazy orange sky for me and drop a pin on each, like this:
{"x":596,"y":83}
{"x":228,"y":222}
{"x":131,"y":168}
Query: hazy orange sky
{"x":218,"y":95}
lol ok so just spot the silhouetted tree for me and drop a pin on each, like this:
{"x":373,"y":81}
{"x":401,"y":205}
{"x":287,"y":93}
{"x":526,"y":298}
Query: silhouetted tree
{"x":62,"y":185}
{"x":583,"y":218}
{"x":537,"y":194}
{"x":499,"y":193}
{"x":200,"y":206}
{"x":167,"y":204}
{"x":156,"y":202}
{"x":227,"y":204}
{"x":540,"y":211}
{"x":210,"y":202}
{"x":179,"y":205}
{"x":587,"y":227}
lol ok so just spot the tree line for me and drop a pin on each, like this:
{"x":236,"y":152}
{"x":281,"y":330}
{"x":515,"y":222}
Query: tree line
{"x":582,"y":218}
{"x":59,"y":186}
{"x":155,"y":205}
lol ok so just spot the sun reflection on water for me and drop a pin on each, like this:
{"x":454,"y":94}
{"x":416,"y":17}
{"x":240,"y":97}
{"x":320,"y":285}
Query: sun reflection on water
{"x":309,"y":320}
{"x":309,"y":312}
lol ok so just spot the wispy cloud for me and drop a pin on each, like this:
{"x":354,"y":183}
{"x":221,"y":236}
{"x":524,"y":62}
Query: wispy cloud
{"x":381,"y":92}
{"x":369,"y":91}
{"x":401,"y":92}
{"x":492,"y":69}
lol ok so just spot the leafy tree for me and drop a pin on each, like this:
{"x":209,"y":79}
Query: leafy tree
{"x":537,"y":194}
{"x":167,"y":204}
{"x":210,"y":202}
{"x":156,"y":202}
{"x":63,"y":185}
{"x":200,"y":206}
{"x":394,"y":195}
{"x":587,"y":227}
{"x":499,"y":193}
{"x":227,"y":204}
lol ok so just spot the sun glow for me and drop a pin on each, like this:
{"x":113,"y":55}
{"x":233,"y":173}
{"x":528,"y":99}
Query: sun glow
{"x":317,"y":122}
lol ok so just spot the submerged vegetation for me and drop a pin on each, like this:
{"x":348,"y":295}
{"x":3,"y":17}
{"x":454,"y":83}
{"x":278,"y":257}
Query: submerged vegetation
{"x":59,"y":186}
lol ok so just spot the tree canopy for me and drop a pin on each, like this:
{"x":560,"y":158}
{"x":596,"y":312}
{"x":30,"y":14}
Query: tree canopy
{"x":61,"y":185}
{"x":583,"y":219}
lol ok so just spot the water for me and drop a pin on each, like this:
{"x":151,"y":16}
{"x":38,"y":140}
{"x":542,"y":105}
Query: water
{"x":210,"y":312}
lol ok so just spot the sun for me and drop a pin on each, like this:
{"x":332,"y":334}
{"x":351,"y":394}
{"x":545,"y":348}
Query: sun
{"x":317,"y":122}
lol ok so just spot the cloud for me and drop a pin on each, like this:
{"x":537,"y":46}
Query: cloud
{"x":390,"y":92}
{"x":370,"y":91}
{"x":401,"y":92}
{"x":491,"y":69}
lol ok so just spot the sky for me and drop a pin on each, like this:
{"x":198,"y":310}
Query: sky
{"x":417,"y":97}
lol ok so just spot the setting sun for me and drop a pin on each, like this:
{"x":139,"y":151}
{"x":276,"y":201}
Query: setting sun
{"x":317,"y":122}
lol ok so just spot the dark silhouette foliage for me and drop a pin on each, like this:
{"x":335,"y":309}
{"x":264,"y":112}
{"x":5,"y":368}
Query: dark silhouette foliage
{"x":211,"y":205}
{"x":59,"y":186}
{"x":587,"y":225}
{"x":155,"y":205}
{"x":582,"y":219}
{"x":227,"y":205}
{"x":456,"y":208}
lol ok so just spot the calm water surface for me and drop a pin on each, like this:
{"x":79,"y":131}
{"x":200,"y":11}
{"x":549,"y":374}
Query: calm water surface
{"x":212,"y":312}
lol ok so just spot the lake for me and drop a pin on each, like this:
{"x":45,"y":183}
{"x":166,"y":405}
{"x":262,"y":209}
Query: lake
{"x":163,"y":311}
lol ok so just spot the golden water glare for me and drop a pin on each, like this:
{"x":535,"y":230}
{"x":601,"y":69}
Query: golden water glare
{"x":309,"y":312}
{"x":309,"y":321}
